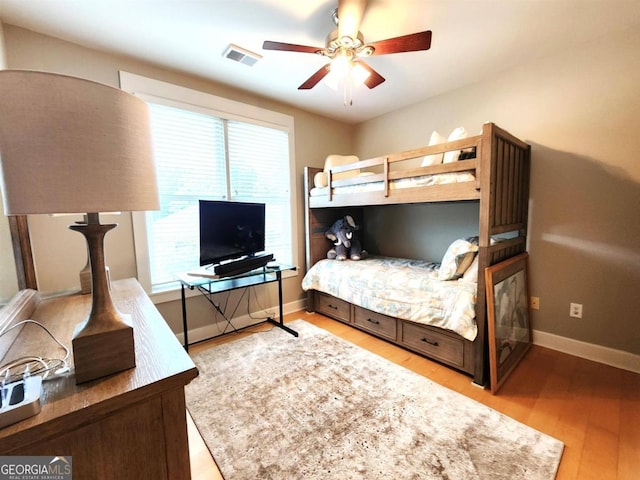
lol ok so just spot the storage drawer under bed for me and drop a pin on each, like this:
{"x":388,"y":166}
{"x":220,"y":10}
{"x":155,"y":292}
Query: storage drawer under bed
{"x":433,"y":343}
{"x":332,"y":307}
{"x":429,"y":341}
{"x":375,"y":322}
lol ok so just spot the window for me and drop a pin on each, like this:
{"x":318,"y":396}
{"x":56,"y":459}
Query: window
{"x":206,"y":151}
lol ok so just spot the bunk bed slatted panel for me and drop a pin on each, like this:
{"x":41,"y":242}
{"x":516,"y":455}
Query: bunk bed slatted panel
{"x":504,"y":208}
{"x":509,"y":185}
{"x":506,"y":249}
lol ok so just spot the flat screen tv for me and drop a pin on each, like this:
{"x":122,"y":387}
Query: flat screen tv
{"x":230,"y":230}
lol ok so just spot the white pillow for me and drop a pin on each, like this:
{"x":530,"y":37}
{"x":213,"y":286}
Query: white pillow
{"x":436,"y":138}
{"x":457,"y":259}
{"x":321,"y":178}
{"x":471,"y":275}
{"x":458,"y":134}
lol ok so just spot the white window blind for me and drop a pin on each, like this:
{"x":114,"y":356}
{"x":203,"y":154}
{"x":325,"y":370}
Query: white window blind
{"x":189,"y":151}
{"x":256,"y":169}
{"x":200,"y":156}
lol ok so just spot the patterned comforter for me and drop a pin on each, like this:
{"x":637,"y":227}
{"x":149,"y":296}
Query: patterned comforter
{"x":401,"y":288}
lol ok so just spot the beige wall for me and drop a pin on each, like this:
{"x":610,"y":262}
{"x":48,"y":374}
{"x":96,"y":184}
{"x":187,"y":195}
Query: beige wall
{"x":3,"y":56}
{"x":580,"y":110}
{"x":60,"y":253}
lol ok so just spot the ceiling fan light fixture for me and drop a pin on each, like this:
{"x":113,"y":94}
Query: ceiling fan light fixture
{"x":341,"y":66}
{"x":346,"y":72}
{"x":359,"y":74}
{"x":332,"y":81}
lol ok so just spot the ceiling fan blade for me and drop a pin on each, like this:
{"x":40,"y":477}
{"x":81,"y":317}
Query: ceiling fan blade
{"x":313,"y":80}
{"x":289,"y":47}
{"x":350,"y":14}
{"x":374,"y":79}
{"x":406,"y":43}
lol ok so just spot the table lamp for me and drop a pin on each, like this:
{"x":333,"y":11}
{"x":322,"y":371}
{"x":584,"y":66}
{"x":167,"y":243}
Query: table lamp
{"x":69,"y":145}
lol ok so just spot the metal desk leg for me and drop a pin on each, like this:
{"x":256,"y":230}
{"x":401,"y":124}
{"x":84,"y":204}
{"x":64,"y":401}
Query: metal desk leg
{"x":184,"y":317}
{"x":280,"y":323}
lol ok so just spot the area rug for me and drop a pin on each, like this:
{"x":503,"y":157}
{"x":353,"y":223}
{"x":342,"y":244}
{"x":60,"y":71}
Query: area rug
{"x":272,"y":406}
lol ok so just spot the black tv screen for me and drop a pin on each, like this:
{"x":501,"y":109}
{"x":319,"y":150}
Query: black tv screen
{"x":230,"y":230}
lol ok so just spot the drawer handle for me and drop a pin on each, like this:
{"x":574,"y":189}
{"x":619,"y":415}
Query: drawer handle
{"x":430,"y":342}
{"x":332,"y":306}
{"x":375,"y":322}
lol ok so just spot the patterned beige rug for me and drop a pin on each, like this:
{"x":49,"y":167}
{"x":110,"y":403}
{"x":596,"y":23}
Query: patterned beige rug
{"x":272,"y":406}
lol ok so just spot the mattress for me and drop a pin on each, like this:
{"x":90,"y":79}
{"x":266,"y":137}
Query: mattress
{"x":400,"y":288}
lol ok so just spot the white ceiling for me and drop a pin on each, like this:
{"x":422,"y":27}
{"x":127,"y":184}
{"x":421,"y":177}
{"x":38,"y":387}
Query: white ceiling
{"x":472,"y":39}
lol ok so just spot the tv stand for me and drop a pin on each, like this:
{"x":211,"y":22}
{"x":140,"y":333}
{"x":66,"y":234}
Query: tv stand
{"x":209,"y":286}
{"x":242,"y":265}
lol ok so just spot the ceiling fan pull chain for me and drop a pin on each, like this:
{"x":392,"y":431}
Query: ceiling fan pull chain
{"x":347,"y":95}
{"x":350,"y":91}
{"x":344,"y":93}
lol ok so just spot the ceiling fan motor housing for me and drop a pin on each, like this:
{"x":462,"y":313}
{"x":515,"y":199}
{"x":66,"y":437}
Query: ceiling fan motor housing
{"x":335,"y":44}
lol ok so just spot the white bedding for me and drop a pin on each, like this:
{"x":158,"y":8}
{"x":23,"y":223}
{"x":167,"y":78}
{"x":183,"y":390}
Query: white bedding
{"x":421,"y":181}
{"x":401,"y":288}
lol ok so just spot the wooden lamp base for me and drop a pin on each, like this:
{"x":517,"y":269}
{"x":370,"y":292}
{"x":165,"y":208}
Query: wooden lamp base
{"x":103,"y":344}
{"x":98,"y":353}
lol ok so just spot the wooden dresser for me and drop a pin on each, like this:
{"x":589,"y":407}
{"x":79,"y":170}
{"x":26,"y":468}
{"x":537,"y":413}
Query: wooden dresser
{"x":131,"y":425}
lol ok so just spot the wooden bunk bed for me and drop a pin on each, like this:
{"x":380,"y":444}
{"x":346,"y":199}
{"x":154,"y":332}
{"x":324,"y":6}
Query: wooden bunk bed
{"x":500,"y":184}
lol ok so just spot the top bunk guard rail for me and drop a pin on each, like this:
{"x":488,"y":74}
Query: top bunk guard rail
{"x":388,"y":168}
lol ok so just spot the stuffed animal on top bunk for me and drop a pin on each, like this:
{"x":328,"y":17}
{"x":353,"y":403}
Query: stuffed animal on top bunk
{"x":346,"y":243}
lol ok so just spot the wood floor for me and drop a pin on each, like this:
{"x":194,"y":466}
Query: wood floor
{"x":593,"y":408}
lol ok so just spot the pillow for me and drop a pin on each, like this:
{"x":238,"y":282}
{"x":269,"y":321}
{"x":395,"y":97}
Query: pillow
{"x":436,"y":138}
{"x":458,"y":134}
{"x":476,"y":240}
{"x":321,"y":179}
{"x":471,"y":275}
{"x":457,"y":259}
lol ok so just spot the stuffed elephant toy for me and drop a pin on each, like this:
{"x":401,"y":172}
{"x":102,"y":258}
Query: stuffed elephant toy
{"x":346,"y":243}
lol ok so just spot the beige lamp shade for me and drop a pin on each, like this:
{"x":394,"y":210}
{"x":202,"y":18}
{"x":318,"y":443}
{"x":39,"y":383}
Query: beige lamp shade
{"x":69,"y":145}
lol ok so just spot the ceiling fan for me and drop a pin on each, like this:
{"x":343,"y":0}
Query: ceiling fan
{"x":347,"y":44}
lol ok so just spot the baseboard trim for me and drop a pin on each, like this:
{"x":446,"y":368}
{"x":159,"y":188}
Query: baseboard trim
{"x":597,"y":353}
{"x":217,"y":329}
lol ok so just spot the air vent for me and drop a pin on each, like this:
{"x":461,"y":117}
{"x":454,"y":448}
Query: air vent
{"x":239,"y":54}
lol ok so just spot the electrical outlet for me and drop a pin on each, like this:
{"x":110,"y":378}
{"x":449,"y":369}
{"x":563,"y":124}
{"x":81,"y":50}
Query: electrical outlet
{"x":575,"y":310}
{"x":534,"y":303}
